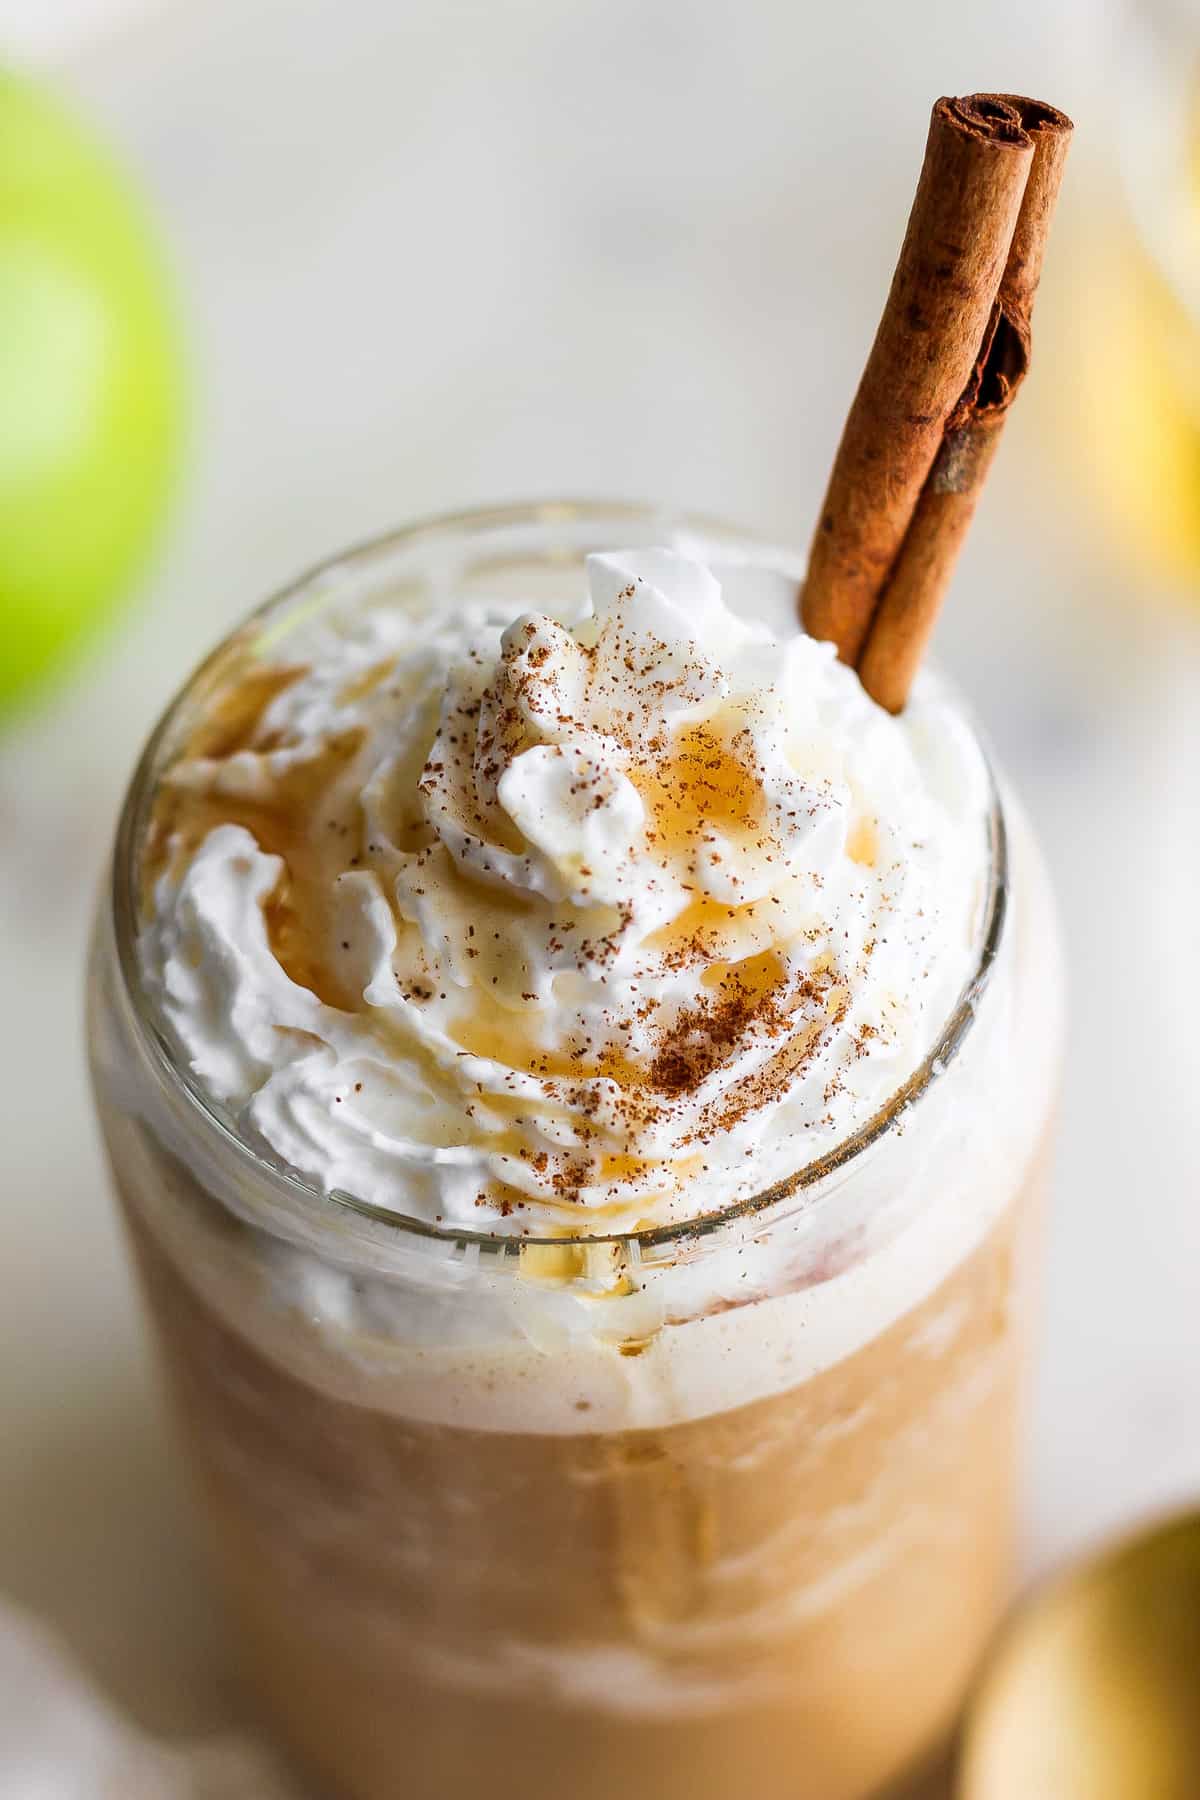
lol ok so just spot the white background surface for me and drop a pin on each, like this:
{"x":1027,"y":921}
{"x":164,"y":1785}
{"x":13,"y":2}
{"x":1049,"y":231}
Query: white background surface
{"x":442,"y":254}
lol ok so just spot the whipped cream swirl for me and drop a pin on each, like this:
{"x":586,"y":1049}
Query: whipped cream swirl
{"x":564,"y":925}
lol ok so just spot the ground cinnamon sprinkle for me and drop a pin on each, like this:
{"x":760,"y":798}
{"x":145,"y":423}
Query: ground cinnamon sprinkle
{"x":751,"y":1018}
{"x":702,"y":1037}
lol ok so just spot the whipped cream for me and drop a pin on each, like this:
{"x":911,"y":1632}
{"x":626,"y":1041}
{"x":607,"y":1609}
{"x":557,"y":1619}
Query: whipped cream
{"x":570,"y":924}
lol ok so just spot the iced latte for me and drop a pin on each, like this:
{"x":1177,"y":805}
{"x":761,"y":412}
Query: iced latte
{"x":576,"y":1072}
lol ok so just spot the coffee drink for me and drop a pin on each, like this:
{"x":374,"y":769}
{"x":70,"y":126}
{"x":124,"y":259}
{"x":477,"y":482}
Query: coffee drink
{"x":578,"y":1075}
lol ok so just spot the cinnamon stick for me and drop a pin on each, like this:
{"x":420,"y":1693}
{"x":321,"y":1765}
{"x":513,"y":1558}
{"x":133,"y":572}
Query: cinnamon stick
{"x":909,"y":604}
{"x":949,"y":355}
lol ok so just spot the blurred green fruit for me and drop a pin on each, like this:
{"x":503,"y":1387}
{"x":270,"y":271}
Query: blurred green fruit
{"x":91,"y":385}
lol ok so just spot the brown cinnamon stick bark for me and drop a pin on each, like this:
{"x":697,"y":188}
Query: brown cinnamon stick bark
{"x":949,"y":352}
{"x":911,"y":600}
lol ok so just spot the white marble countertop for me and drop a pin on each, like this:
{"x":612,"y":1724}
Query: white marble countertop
{"x":435,"y":256}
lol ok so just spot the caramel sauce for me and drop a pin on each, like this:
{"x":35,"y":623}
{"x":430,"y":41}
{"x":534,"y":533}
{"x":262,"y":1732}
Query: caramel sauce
{"x":862,"y":845}
{"x":620,"y":1166}
{"x":703,"y":786}
{"x":571,"y":1260}
{"x":366,"y":681}
{"x":553,"y":1262}
{"x":751,"y":981}
{"x":705,"y":923}
{"x":231,"y":723}
{"x":313,"y":797}
{"x":289,"y":923}
{"x":312,"y":820}
{"x":497,"y":1033}
{"x":232,"y":720}
{"x":506,"y":1143}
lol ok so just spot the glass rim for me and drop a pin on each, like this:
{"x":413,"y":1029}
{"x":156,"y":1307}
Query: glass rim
{"x":164,"y":1053}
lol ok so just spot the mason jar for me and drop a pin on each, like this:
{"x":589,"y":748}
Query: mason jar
{"x":714,"y":1508}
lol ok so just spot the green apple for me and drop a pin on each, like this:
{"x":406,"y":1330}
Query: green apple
{"x":91,"y":385}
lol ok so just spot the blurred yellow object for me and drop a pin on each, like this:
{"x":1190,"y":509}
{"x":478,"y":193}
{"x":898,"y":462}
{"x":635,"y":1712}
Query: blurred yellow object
{"x":1140,"y":431}
{"x":1094,"y":1691}
{"x":91,"y":385}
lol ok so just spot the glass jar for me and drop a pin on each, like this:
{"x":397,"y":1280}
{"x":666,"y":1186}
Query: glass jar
{"x":705,"y":1510}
